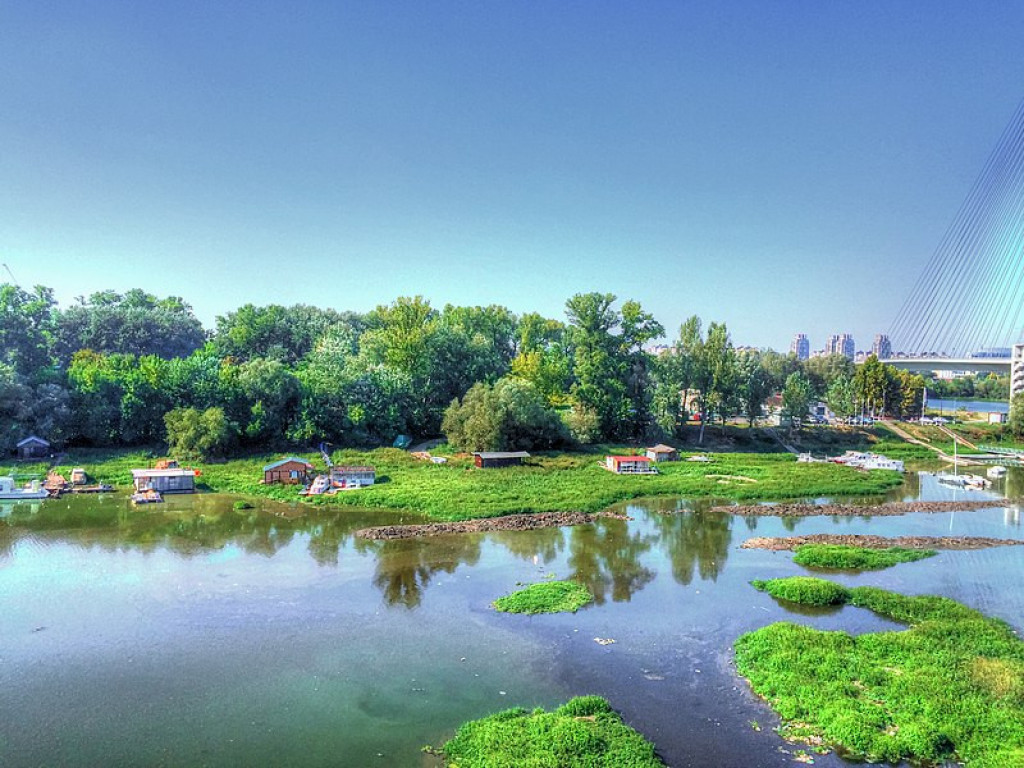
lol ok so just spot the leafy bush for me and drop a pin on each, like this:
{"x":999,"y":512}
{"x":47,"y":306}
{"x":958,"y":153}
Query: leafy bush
{"x":805,"y":590}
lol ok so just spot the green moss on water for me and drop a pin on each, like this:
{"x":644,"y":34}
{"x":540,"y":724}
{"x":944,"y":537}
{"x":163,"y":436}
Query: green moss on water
{"x":841,"y":557}
{"x":554,"y":482}
{"x":546,"y":597}
{"x":950,"y":687}
{"x":583,"y":733}
{"x":805,"y":590}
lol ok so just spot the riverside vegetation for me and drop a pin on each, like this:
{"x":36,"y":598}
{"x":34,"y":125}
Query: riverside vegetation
{"x":839,"y":557}
{"x":546,"y":597}
{"x":585,"y":732}
{"x":949,"y":687}
{"x":555,"y":482}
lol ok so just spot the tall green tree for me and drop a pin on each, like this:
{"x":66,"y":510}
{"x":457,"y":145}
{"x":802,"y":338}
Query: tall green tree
{"x":796,"y":397}
{"x":26,"y":329}
{"x":598,"y":367}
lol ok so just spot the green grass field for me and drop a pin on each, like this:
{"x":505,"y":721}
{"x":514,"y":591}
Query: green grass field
{"x":949,"y":687}
{"x":548,"y":483}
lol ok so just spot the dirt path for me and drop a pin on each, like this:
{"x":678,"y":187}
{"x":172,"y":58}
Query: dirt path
{"x":902,"y":433}
{"x":788,"y":543}
{"x":888,"y":509}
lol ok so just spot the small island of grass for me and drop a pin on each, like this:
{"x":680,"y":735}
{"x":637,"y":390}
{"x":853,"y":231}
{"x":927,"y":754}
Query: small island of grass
{"x":805,"y":590}
{"x":948,"y":688}
{"x":840,"y":557}
{"x":583,"y":732}
{"x":546,"y":597}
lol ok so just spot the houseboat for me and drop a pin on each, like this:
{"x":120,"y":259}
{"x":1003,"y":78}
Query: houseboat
{"x":10,"y":491}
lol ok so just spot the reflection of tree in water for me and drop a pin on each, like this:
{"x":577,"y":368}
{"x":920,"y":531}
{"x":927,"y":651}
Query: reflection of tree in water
{"x":605,"y":556}
{"x":405,"y":566}
{"x":542,"y":543}
{"x":695,"y":542}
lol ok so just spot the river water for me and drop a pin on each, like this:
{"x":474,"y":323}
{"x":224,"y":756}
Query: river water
{"x":193,"y":635}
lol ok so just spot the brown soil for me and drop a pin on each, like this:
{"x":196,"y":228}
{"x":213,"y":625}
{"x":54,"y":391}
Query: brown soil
{"x":854,"y":510}
{"x":878,"y":542}
{"x":505,"y":523}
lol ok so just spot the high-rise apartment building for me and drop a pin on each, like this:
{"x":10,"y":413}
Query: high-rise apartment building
{"x":801,"y":346}
{"x":882,"y":348}
{"x":841,"y":344}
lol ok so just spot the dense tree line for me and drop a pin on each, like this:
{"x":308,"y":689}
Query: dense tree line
{"x":132,"y":369}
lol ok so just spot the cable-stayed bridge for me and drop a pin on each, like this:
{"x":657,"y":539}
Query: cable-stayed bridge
{"x":970,"y":297}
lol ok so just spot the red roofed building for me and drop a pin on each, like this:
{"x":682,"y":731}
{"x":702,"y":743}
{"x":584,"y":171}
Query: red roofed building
{"x":630,"y":465}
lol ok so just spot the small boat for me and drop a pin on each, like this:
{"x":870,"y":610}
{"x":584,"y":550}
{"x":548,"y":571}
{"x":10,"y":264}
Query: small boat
{"x":321,"y":484}
{"x":866,"y":460}
{"x":148,"y":496}
{"x":996,"y":472}
{"x":8,"y":490}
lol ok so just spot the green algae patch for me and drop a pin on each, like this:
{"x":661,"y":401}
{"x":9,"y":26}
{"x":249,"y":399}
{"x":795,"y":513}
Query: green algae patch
{"x":583,"y":733}
{"x":805,"y":590}
{"x":948,"y":688}
{"x":546,"y":597}
{"x":840,"y":557}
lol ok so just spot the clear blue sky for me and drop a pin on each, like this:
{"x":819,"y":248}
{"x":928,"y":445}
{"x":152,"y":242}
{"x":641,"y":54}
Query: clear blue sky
{"x":781,"y":166}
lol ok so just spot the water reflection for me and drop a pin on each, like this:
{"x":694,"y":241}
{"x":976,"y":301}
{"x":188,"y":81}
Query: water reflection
{"x":404,"y":567}
{"x":695,"y":543}
{"x":605,"y":557}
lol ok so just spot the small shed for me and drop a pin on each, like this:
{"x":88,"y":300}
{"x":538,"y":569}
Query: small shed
{"x":290,"y":471}
{"x":662,"y":452}
{"x":997,"y":418}
{"x":33,"y":447}
{"x":492,"y":459}
{"x":352,"y":477}
{"x":630,"y":465}
{"x":175,"y":480}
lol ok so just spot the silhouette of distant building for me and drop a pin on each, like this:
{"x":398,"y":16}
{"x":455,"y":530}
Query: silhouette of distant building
{"x":801,"y":346}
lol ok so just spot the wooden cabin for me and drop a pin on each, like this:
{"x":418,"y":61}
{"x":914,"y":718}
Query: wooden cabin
{"x":33,"y":447}
{"x":352,"y":477}
{"x":493,"y":459}
{"x":175,"y":480}
{"x":290,"y":471}
{"x":630,"y":465}
{"x":662,"y":452}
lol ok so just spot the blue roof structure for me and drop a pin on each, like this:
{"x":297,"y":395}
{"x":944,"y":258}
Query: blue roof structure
{"x":286,"y":460}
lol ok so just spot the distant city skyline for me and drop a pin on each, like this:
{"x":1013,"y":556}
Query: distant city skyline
{"x":774,"y":167}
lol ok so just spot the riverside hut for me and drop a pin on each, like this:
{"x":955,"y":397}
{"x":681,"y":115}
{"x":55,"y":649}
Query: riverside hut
{"x":33,"y":447}
{"x":630,"y":465}
{"x":662,"y":452}
{"x":289,"y":471}
{"x":352,"y":477}
{"x":493,"y":459}
{"x":176,"y":480}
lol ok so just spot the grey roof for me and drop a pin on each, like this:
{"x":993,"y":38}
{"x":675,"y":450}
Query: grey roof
{"x":502,"y":454}
{"x":287,"y":460}
{"x":33,"y":439}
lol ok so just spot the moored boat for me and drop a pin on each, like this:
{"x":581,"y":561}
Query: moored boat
{"x":10,"y":491}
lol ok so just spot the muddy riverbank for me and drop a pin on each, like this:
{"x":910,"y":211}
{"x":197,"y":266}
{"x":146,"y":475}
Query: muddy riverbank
{"x":504,"y":523}
{"x":788,"y":543}
{"x":888,"y":509}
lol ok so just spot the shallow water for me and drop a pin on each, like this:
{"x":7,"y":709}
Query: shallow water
{"x":191,"y":634}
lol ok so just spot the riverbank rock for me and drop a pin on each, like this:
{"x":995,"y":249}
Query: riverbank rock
{"x":891,"y":508}
{"x":789,"y":543}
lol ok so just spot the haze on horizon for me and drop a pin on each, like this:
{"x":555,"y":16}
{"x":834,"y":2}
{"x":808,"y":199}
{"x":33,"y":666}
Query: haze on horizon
{"x":785,"y":167}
